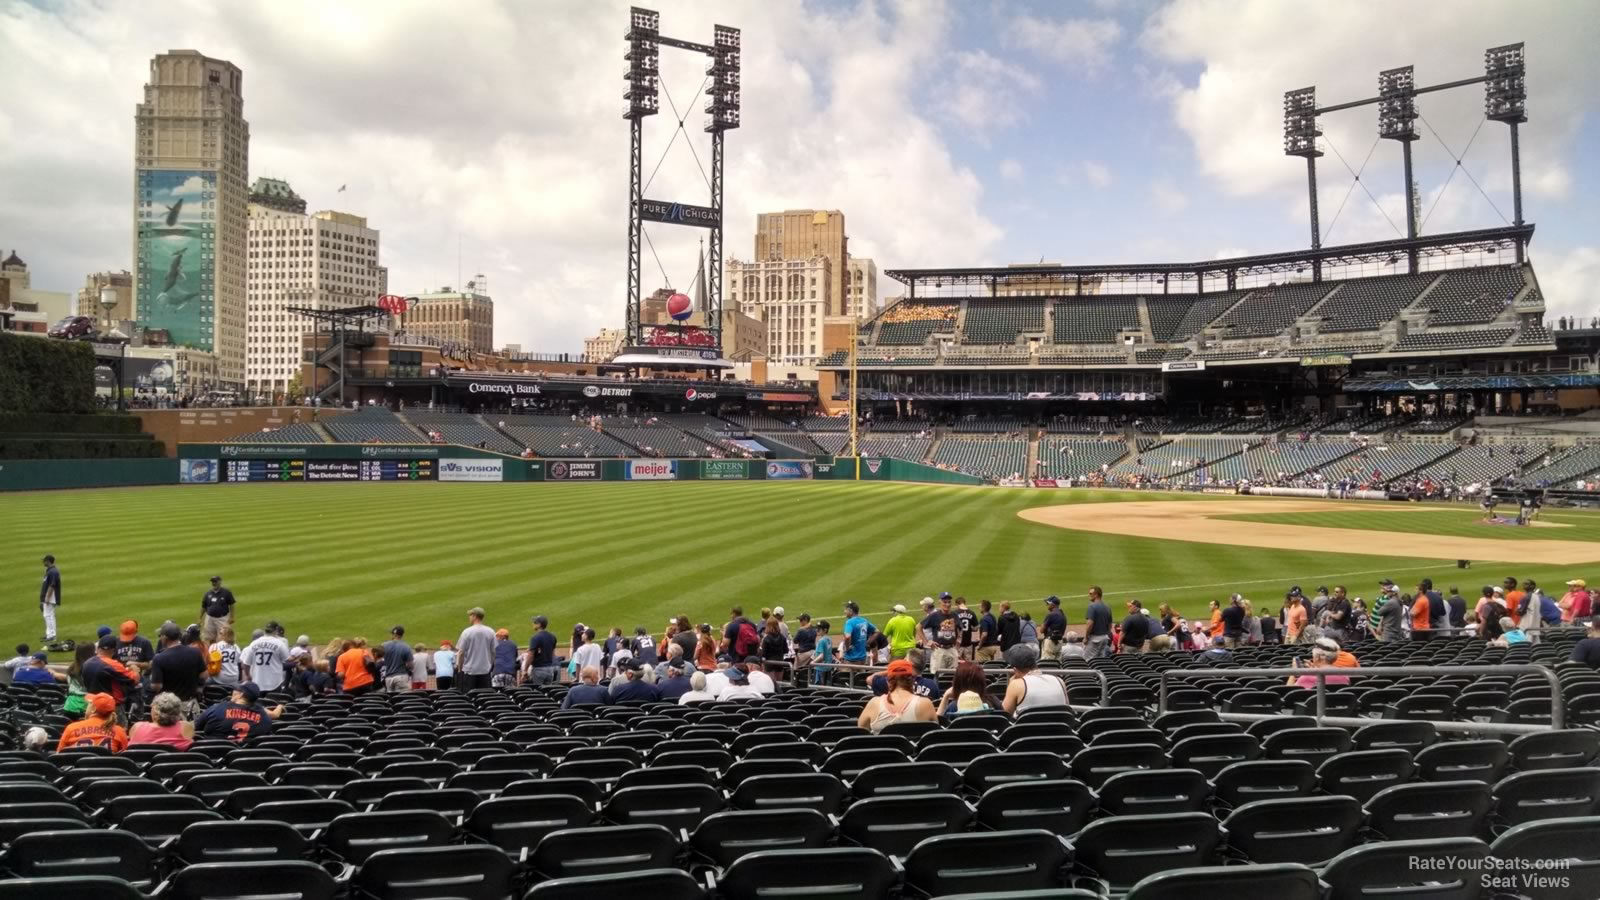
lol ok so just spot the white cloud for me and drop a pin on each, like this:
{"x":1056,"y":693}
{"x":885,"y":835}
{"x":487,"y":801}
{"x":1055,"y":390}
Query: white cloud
{"x":985,"y":92}
{"x":1081,"y":172}
{"x":1247,"y":52}
{"x":1167,"y":197}
{"x":1085,"y":43}
{"x":1010,"y":170}
{"x":450,"y":128}
{"x":192,"y":186}
{"x":1567,"y":282}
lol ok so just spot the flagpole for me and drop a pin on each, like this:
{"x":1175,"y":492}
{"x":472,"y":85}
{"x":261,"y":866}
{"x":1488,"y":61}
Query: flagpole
{"x":855,"y":338}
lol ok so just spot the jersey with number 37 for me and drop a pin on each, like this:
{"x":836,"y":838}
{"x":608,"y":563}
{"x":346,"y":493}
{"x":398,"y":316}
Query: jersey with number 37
{"x":266,"y":657}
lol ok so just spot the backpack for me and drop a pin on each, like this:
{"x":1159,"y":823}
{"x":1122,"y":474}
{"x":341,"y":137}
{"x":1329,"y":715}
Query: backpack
{"x":746,"y":642}
{"x":1030,"y":634}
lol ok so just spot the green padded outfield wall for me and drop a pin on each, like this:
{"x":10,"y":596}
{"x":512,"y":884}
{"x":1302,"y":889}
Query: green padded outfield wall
{"x":53,"y":474}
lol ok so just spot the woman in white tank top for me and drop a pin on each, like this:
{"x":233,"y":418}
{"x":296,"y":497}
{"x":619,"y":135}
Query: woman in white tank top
{"x":1029,"y":688}
{"x":899,"y":704}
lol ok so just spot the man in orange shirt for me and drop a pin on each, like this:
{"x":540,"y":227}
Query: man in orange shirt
{"x":1343,"y":658}
{"x":354,"y":676}
{"x":1294,"y":616}
{"x":1513,"y":599}
{"x":97,"y":728}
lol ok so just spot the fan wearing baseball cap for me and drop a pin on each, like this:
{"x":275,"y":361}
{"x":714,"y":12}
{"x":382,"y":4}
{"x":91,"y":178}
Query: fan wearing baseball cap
{"x":900,"y":704}
{"x":97,"y":728}
{"x":133,"y":648}
{"x":238,"y":718}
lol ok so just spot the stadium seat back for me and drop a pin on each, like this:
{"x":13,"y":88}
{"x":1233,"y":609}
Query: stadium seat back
{"x":725,"y":836}
{"x":657,"y":884}
{"x":1483,"y":760}
{"x":1362,"y":773}
{"x":952,"y":753}
{"x":356,"y":836}
{"x":831,"y":873}
{"x":517,"y":823}
{"x":579,"y":852}
{"x":1154,"y":791}
{"x":75,"y":852}
{"x":1568,"y":749}
{"x":1028,"y":859}
{"x":894,"y":825}
{"x":1430,"y":809}
{"x":1281,"y":881}
{"x":1123,"y":850}
{"x":818,"y":790}
{"x":1547,"y":794}
{"x":1210,"y":754}
{"x":1101,"y":761}
{"x":1437,"y":869}
{"x":1570,"y":841}
{"x":227,"y":842}
{"x":80,"y":887}
{"x":1305,"y":830}
{"x":467,"y":872}
{"x":304,"y":816}
{"x":1409,"y":736}
{"x":680,"y":807}
{"x":1314,"y":745}
{"x":897,"y":779}
{"x":452,"y":803}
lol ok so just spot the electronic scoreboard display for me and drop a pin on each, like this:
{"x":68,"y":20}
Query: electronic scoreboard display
{"x":239,"y":470}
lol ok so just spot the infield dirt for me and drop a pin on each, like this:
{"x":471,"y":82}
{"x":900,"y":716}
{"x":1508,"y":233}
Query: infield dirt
{"x":1200,"y":522}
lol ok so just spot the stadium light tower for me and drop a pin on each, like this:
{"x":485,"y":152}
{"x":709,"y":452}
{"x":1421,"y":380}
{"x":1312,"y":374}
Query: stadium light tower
{"x":1300,"y":133}
{"x":1397,"y":121}
{"x":644,"y":99}
{"x":1505,"y":99}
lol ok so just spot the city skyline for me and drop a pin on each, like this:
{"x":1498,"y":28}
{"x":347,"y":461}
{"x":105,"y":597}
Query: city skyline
{"x":950,"y":134}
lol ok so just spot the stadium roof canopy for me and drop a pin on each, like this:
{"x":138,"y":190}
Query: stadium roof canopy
{"x":1487,"y":240}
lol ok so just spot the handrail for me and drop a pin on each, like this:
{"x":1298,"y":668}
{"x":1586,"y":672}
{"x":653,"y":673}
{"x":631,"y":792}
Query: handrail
{"x":1558,"y":713}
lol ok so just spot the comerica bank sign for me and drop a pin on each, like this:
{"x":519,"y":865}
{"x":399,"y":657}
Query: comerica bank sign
{"x":679,"y":213}
{"x":503,"y":387}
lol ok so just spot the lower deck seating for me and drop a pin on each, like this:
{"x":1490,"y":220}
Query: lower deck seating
{"x":464,"y":428}
{"x":371,"y":425}
{"x":1074,"y":458}
{"x":561,"y":436}
{"x":495,"y":793}
{"x":984,"y":457}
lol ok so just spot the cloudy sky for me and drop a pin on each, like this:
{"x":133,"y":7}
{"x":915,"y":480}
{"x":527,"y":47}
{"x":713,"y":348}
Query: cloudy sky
{"x":950,"y":133}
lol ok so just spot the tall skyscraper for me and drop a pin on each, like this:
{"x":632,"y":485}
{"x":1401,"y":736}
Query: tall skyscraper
{"x":323,"y":261}
{"x":800,"y":234}
{"x":463,"y":319}
{"x":191,"y":162}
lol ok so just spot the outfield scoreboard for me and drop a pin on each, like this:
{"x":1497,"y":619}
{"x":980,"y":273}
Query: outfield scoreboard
{"x":241,"y":470}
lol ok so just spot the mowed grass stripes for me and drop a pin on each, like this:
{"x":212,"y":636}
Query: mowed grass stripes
{"x":354,"y":559}
{"x":1558,"y":524}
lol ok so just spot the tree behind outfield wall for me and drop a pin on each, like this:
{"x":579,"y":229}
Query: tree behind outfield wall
{"x":44,"y":375}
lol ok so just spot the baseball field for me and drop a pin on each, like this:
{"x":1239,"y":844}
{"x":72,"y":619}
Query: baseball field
{"x":355,"y":559}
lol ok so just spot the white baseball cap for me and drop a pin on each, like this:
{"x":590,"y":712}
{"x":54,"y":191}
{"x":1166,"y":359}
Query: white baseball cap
{"x":777,"y":610}
{"x":900,"y":607}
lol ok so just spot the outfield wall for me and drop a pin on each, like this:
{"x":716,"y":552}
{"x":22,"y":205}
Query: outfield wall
{"x":266,"y":463}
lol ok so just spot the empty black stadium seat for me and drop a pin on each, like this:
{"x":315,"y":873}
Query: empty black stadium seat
{"x":1571,"y":748}
{"x":817,"y":790}
{"x":1483,"y":760}
{"x":894,"y":825}
{"x":992,"y":769}
{"x":1101,"y":761}
{"x":470,"y":872}
{"x":1362,"y":773}
{"x":81,"y":887}
{"x":58,"y":854}
{"x":1154,"y":792}
{"x":1063,"y":806}
{"x":833,"y":873}
{"x":1123,"y":850}
{"x":1306,"y":830}
{"x":577,"y":852}
{"x":1439,"y":869}
{"x":517,"y":824}
{"x":905,"y":778}
{"x":356,"y":836}
{"x":657,"y":884}
{"x":1430,"y":809}
{"x":1546,"y":794}
{"x":725,"y":836}
{"x":1210,"y":754}
{"x":1031,"y":859}
{"x":1281,"y":881}
{"x":1527,"y":850}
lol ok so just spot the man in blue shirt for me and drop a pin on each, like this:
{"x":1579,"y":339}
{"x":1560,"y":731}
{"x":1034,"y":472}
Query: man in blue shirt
{"x":397,"y":657}
{"x":629,"y":685}
{"x":921,"y":685}
{"x":856,"y":631}
{"x":542,"y":653}
{"x":37,"y":671}
{"x":587,"y":692}
{"x":1097,"y":636}
{"x":676,"y":684}
{"x":505,"y":660}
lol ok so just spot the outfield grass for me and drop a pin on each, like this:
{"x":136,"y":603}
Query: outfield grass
{"x":338,"y":560}
{"x":1574,"y":525}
